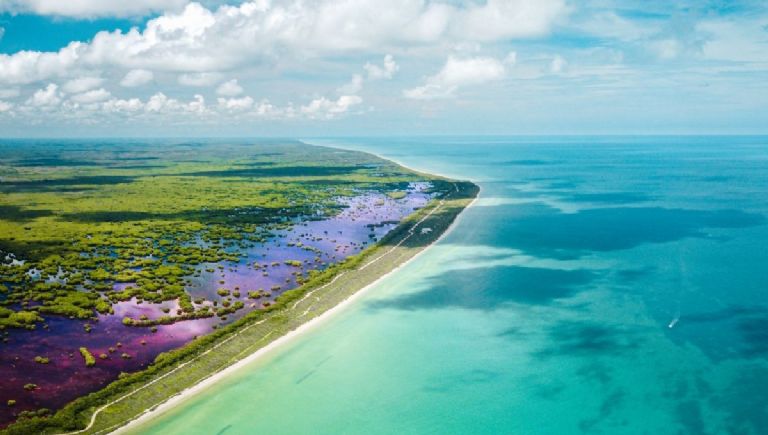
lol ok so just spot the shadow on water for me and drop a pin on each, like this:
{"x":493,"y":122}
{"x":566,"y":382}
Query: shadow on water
{"x":491,"y":287}
{"x":588,"y":339}
{"x":615,"y":198}
{"x":544,"y":231}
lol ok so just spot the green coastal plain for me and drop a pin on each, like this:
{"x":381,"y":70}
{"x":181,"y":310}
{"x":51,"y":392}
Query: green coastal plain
{"x":84,"y":227}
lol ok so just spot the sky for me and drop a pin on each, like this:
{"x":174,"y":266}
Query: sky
{"x":302,"y":68}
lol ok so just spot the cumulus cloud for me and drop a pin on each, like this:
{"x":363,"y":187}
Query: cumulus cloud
{"x":92,"y":96}
{"x":323,"y":108}
{"x":374,"y":72}
{"x":90,"y":8}
{"x":161,"y":103}
{"x":386,"y":71}
{"x":456,"y":73}
{"x":5,"y":106}
{"x":354,"y":86}
{"x":48,"y":96}
{"x":119,"y":105}
{"x":82,"y":84}
{"x":137,"y":77}
{"x":236,"y":104}
{"x":229,"y":89}
{"x":199,"y":40}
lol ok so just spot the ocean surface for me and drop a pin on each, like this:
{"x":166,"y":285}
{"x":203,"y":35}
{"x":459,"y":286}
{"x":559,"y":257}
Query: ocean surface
{"x":599,"y":285}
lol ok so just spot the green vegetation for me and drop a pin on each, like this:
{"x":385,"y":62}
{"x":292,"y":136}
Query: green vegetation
{"x":88,"y":357}
{"x":397,"y":194}
{"x":131,"y":394}
{"x":90,"y":216}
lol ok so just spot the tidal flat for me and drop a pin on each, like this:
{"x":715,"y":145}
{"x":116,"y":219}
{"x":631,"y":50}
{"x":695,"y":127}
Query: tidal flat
{"x":114,"y":254}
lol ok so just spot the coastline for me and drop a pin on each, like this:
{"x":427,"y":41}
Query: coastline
{"x":148,"y":394}
{"x":189,"y":393}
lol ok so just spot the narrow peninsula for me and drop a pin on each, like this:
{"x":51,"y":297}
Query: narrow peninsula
{"x":149,"y":270}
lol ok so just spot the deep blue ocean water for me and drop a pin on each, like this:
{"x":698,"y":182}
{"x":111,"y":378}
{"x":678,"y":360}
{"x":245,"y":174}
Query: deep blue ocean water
{"x":599,"y":285}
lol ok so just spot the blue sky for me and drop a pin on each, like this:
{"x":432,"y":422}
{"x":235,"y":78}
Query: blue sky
{"x":366,"y":67}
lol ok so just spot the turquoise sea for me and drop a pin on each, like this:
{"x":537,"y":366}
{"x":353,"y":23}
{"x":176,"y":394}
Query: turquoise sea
{"x":600,"y":285}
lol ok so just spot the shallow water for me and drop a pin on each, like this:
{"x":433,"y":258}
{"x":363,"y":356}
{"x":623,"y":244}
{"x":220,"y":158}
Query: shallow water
{"x":599,"y":285}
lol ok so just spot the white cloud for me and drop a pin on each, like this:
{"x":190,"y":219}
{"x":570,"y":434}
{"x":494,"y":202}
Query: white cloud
{"x":76,"y":86}
{"x":49,"y":96}
{"x":137,"y":77}
{"x":5,"y":106}
{"x":199,"y":79}
{"x":323,"y":108}
{"x":385,"y":71}
{"x":374,"y":72}
{"x":93,"y":96}
{"x":198,"y":40}
{"x":34,"y":66}
{"x":354,"y":86}
{"x":456,"y":73}
{"x":229,"y":89}
{"x":557,"y":65}
{"x":161,"y":103}
{"x":504,"y":19}
{"x":236,"y":104}
{"x":726,"y":40}
{"x":119,"y":105}
{"x":90,"y":8}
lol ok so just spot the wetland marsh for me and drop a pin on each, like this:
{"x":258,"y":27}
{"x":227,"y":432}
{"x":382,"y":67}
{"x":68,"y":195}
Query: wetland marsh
{"x":114,"y":254}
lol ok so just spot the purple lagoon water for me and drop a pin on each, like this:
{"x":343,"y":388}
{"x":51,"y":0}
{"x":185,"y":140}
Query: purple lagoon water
{"x":316,"y":243}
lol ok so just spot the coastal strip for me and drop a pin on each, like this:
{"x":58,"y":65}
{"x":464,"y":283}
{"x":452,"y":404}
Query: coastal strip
{"x":179,"y":399}
{"x":183,"y":372}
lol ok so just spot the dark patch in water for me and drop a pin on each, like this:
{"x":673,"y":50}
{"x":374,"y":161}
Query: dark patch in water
{"x":587,"y":339}
{"x":595,"y":372}
{"x":609,"y":197}
{"x":632,"y":275}
{"x":690,"y":417}
{"x":459,"y":380}
{"x":754,"y":333}
{"x":491,"y":288}
{"x":528,"y":162}
{"x":544,"y":231}
{"x":743,"y":401}
{"x":610,"y":403}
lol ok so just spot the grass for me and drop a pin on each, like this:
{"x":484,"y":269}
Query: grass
{"x":85,"y":220}
{"x":173,"y":372}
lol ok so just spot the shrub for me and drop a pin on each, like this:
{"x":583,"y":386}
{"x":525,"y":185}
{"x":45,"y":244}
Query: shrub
{"x":88,"y":357}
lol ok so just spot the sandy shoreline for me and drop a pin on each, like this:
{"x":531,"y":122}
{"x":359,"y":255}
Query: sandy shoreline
{"x":190,"y":392}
